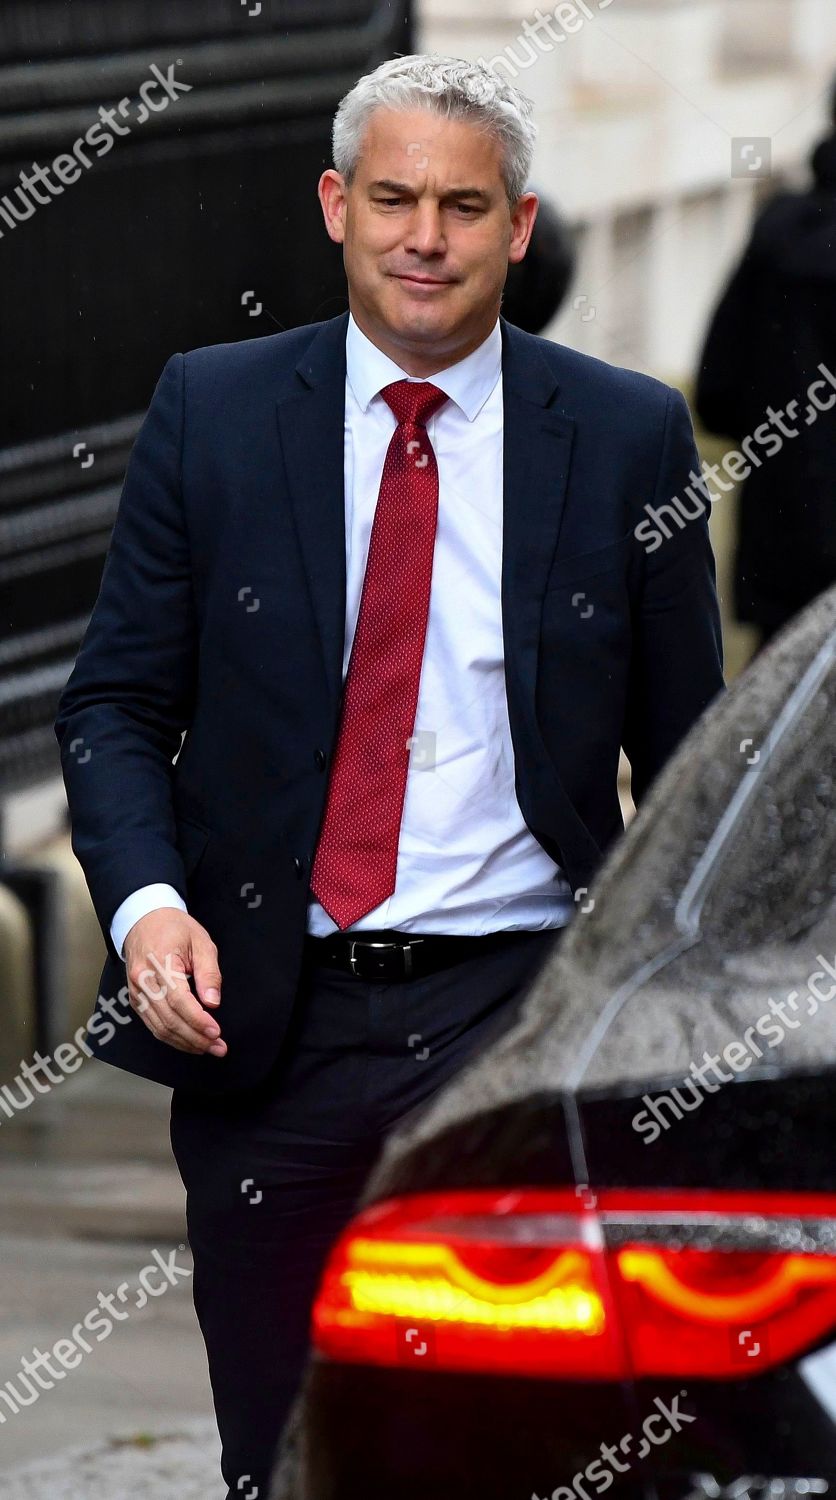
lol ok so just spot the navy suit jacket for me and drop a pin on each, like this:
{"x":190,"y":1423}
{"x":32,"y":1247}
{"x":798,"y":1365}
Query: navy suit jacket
{"x":198,"y":724}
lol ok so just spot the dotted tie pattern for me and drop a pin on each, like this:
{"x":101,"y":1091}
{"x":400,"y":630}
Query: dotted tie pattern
{"x":356,"y":858}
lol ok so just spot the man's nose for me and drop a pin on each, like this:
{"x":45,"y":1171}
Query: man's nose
{"x":425,"y":234}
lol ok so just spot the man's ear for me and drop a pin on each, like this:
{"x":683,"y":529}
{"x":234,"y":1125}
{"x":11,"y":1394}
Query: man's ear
{"x":332,"y":196}
{"x":523,"y":215}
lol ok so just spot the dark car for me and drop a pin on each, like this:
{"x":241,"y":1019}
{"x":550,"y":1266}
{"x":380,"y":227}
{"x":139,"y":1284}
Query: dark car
{"x":604,"y":1257}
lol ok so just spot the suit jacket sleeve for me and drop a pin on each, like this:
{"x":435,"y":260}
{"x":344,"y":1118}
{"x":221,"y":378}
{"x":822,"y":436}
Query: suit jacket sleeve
{"x":131,"y":693}
{"x":677,"y":652}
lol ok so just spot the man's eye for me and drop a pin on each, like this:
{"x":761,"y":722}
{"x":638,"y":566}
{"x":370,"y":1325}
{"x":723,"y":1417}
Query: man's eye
{"x":390,"y":202}
{"x":467,"y":208}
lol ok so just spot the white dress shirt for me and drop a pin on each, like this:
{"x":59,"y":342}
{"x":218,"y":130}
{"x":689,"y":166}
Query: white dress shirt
{"x":467,"y":863}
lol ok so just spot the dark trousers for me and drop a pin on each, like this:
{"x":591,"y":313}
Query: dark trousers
{"x":273,"y":1176}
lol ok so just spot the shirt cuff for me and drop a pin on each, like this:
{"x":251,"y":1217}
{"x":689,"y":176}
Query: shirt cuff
{"x":138,"y":904}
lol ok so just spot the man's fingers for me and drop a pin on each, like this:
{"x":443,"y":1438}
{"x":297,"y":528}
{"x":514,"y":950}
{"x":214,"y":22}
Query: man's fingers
{"x":188,"y":1008}
{"x":182,"y":1015}
{"x":207,"y":975}
{"x":159,"y":991}
{"x":161,"y":1018}
{"x":162,"y":949}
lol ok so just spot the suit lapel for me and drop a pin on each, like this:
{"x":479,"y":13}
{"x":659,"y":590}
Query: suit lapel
{"x":538,"y":449}
{"x":537,"y":453}
{"x":311,"y":420}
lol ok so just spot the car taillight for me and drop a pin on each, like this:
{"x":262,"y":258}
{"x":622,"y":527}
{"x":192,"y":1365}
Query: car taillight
{"x":599,"y":1287}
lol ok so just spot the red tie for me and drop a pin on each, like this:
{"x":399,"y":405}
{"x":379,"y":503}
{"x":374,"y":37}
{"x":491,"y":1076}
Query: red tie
{"x":357,"y":854}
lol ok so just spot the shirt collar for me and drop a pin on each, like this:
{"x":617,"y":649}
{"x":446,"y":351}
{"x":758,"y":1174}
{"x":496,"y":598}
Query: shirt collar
{"x":469,"y":382}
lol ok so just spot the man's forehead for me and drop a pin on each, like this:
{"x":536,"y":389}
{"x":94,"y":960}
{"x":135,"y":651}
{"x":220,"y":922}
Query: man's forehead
{"x":408,"y":147}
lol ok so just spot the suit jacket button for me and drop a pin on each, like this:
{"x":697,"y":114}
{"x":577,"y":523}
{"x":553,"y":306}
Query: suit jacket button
{"x":298,"y":866}
{"x":320,"y":758}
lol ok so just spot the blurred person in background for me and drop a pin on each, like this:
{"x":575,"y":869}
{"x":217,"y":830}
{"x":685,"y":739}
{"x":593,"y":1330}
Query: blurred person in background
{"x":774,"y":327}
{"x":536,"y":286}
{"x":375,"y":586}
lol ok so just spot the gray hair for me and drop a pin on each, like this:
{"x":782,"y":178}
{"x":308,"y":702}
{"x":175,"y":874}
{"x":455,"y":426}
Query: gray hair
{"x":446,"y":86}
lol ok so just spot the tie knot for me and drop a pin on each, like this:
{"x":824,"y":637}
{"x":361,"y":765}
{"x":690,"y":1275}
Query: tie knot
{"x":413,"y":401}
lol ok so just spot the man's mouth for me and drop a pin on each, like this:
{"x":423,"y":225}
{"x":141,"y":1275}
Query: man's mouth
{"x":418,"y":280}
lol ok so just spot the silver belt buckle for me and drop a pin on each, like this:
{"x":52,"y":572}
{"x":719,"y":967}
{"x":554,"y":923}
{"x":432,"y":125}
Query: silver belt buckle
{"x":367,"y":944}
{"x":352,"y":946}
{"x":406,"y":949}
{"x":407,"y":955}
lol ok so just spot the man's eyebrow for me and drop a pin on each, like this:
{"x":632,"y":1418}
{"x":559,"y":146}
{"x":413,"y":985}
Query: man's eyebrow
{"x":385,"y":184}
{"x":389,"y":186}
{"x":467,"y":192}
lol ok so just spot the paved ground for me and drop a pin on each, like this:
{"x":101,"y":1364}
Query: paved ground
{"x":180,"y":1461}
{"x":89,"y":1192}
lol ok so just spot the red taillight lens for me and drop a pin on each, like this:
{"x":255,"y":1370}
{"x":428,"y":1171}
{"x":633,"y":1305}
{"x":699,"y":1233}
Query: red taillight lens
{"x":697,"y":1312}
{"x":510,"y":1281}
{"x":544,"y":1283}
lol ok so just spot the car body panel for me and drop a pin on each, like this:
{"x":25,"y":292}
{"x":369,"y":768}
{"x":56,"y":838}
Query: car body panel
{"x":718,"y":904}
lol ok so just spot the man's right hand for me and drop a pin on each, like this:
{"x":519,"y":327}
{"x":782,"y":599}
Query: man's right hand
{"x":161,"y":950}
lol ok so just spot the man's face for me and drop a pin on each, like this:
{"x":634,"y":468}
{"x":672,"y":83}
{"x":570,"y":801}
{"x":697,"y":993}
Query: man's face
{"x":427,"y":234}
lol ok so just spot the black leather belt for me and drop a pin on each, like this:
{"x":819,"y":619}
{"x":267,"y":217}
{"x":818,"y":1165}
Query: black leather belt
{"x":388,"y":956}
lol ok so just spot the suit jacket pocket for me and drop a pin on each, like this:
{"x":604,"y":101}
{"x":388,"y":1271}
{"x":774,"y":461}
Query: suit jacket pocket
{"x":568,"y":570}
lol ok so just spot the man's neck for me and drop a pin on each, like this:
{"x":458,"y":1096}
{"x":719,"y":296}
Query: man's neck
{"x":421,"y":363}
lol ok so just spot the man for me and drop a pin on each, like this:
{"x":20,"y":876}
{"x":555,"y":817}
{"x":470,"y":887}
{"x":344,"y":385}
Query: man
{"x":773,"y":330}
{"x":382,"y":574}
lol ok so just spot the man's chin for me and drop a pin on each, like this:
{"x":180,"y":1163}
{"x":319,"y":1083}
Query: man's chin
{"x":423,"y":324}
